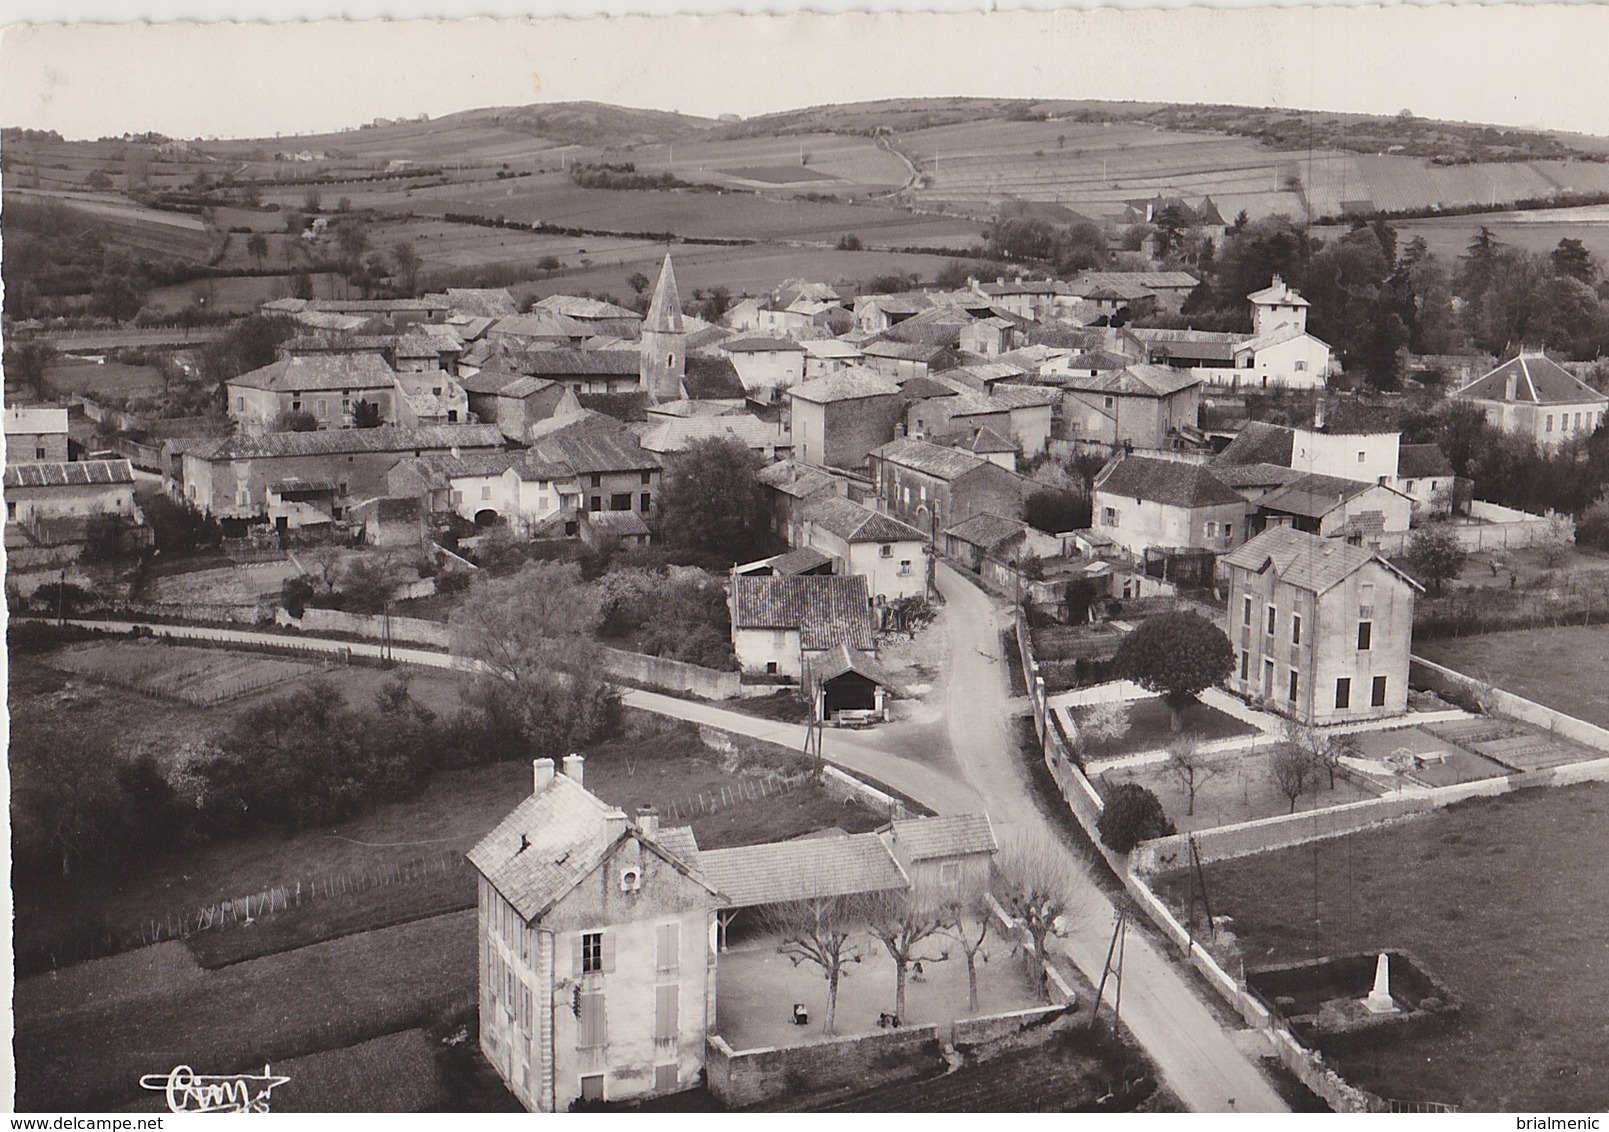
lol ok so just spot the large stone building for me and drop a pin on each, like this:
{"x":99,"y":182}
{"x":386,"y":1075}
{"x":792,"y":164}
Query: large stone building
{"x":933,"y":488}
{"x":1535,"y":397}
{"x":1141,"y":503}
{"x":840,"y":418}
{"x":1322,"y":630}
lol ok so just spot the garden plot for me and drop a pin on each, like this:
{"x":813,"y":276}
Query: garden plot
{"x":227,"y":585}
{"x":198,"y":677}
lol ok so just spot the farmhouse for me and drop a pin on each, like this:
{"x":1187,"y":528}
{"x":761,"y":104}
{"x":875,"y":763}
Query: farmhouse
{"x":514,"y":402}
{"x":1141,"y":503}
{"x":1533,"y":396}
{"x":791,"y":487}
{"x":43,"y":491}
{"x":612,"y":470}
{"x":516,"y":488}
{"x":661,"y":434}
{"x":933,"y":487}
{"x":839,"y":419}
{"x":944,"y":856}
{"x":766,"y":366}
{"x":892,"y":556}
{"x":327,"y":386}
{"x":583,"y":371}
{"x":1138,"y":406}
{"x":779,"y":623}
{"x":1336,"y":508}
{"x":985,"y":536}
{"x":829,"y":355}
{"x":601,"y":318}
{"x":1322,"y":629}
{"x":35,"y":435}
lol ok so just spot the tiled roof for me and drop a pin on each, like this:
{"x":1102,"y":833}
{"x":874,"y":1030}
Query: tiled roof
{"x":78,"y":473}
{"x":826,"y":608}
{"x":763,"y":346}
{"x":573,"y":306}
{"x":1306,"y":561}
{"x":304,"y":372}
{"x":1278,"y":292}
{"x":1421,"y":460}
{"x":539,"y":324}
{"x":987,"y":531}
{"x":29,"y":419}
{"x":1255,"y":475}
{"x":989,"y":441}
{"x":1313,"y":496}
{"x":712,"y":379}
{"x":1259,"y":443}
{"x":580,"y":363}
{"x":786,"y":871}
{"x":588,"y":452}
{"x":1173,"y":483}
{"x":354,"y":440}
{"x":837,"y":661}
{"x":617,"y":522}
{"x":952,"y":835}
{"x":482,"y":302}
{"x":832,"y":348}
{"x":798,"y":480}
{"x":679,"y":842}
{"x":854,"y":523}
{"x":1151,"y":280}
{"x":1136,"y":380}
{"x":525,"y":387}
{"x":903,"y":351}
{"x":848,"y":384}
{"x":932,"y":459}
{"x":1539,"y":380}
{"x":800,"y":561}
{"x":675,"y":434}
{"x":565,"y":831}
{"x":489,"y":380}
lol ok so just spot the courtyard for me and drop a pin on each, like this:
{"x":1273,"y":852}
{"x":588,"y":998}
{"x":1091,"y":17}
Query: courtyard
{"x":758,"y":988}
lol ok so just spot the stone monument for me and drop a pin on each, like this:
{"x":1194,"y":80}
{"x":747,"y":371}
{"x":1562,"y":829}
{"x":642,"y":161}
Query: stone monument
{"x":1379,"y":1000}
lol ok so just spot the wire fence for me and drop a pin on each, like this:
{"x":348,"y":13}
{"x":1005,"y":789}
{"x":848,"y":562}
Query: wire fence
{"x":745,"y":790}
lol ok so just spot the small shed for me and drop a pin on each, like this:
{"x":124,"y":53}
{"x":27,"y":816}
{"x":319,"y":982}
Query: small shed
{"x":625,"y":528}
{"x":849,"y":686}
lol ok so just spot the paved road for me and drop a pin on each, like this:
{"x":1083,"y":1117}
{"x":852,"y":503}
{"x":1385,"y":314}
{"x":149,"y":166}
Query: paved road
{"x":1197,"y":1058}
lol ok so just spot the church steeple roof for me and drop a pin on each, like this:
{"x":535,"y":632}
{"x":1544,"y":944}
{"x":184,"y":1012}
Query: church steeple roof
{"x":665,"y":311}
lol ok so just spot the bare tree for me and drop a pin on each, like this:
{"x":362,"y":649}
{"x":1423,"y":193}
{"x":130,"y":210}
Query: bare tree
{"x":902,"y":923}
{"x":1557,"y":540}
{"x":1187,"y":764}
{"x":966,"y":921}
{"x":1036,"y":880}
{"x":1292,"y":769}
{"x":819,"y":931}
{"x":1324,"y":750}
{"x":325,"y":566}
{"x":1105,"y":722}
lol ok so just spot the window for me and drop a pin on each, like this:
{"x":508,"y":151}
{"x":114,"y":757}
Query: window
{"x":11,"y":509}
{"x":1408,"y":487}
{"x":905,"y":566}
{"x":670,"y":361}
{"x":1293,"y":685}
{"x":620,"y":501}
{"x":1379,"y":699}
{"x":1245,"y":664}
{"x":591,"y":952}
{"x":885,"y":551}
{"x":1110,"y":402}
{"x":1578,"y":420}
{"x":594,"y":1029}
{"x":1549,"y":427}
{"x":597,"y":479}
{"x":486,"y":491}
{"x":1273,"y":616}
{"x":323,"y":406}
{"x":595,"y":503}
{"x":1108,"y":516}
{"x":1229,"y":530}
{"x":240,"y":404}
{"x":647,"y":501}
{"x":1361,"y":457}
{"x":1343,"y":692}
{"x":592,"y":1087}
{"x":1246,"y":613}
{"x":1301,"y":367}
{"x":458,"y":497}
{"x":1212,"y":529}
{"x":770,"y":668}
{"x":39,"y":452}
{"x":648,"y":477}
{"x":667,"y":1078}
{"x":1365,"y":635}
{"x":667,"y":1003}
{"x":1296,"y":628}
{"x":667,"y":947}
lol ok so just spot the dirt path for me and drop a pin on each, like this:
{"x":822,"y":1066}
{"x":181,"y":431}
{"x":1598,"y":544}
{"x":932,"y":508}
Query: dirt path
{"x":1198,"y":1059}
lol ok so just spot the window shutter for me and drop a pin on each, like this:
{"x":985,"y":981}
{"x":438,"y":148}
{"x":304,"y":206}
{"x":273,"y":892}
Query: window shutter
{"x":608,"y":951}
{"x":593,"y":1029}
{"x":669,"y":947}
{"x":575,"y":955}
{"x":666,"y":1002}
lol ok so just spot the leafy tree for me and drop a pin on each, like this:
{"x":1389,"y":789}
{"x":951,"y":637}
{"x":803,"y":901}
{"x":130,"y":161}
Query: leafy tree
{"x":365,"y":414}
{"x":65,"y":803}
{"x":368,"y":583}
{"x":311,"y":200}
{"x":712,"y":504}
{"x":902,"y":925}
{"x":1053,"y":510}
{"x":28,"y":361}
{"x":295,"y":420}
{"x":1436,"y":555}
{"x":819,"y":931}
{"x":257,"y":248}
{"x":1037,"y":882}
{"x":407,"y":263}
{"x":178,"y":528}
{"x":1572,"y":258}
{"x":1179,"y":655}
{"x":637,"y":281}
{"x":1592,"y":528}
{"x":105,"y":539}
{"x":849,"y":243}
{"x":1132,"y":814}
{"x":1193,"y":770}
{"x":1292,"y":770}
{"x":118,"y":297}
{"x":1556,"y":541}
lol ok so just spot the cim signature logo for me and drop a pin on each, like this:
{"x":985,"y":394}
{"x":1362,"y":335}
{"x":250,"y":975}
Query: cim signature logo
{"x":189,"y":1091}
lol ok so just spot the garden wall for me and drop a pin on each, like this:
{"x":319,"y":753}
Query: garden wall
{"x":1019,"y":1028}
{"x":1436,"y":677}
{"x":741,"y":1078}
{"x":1498,"y":528}
{"x":672,"y":675}
{"x":404,"y":630}
{"x":843,"y":785}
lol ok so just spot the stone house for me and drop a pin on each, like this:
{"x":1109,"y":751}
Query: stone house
{"x":596,"y":949}
{"x":327,"y":386}
{"x":1139,"y":406}
{"x":933,"y":487}
{"x":35,"y":434}
{"x":514,"y":402}
{"x":518,"y":489}
{"x":892,"y":556}
{"x":791,"y":487}
{"x":1140,"y":502}
{"x":780,"y":623}
{"x":984,"y":537}
{"x":1533,"y":396}
{"x":840,"y":418}
{"x":43,"y":491}
{"x":766,"y":366}
{"x":945,"y":857}
{"x":613,"y":472}
{"x":1322,"y":630}
{"x":1336,"y":508}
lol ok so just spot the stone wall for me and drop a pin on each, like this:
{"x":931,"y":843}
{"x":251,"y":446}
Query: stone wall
{"x":1023,"y":1028}
{"x":742,"y":1078}
{"x":672,"y":675}
{"x":842,"y":785}
{"x":404,"y":630}
{"x":1426,"y":674}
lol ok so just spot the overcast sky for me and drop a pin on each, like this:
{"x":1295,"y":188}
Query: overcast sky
{"x":1522,"y":65}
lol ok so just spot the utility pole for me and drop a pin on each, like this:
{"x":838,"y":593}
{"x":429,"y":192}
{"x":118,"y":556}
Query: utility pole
{"x":1119,"y":939}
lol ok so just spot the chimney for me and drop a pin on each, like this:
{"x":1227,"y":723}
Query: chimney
{"x":1318,"y":413}
{"x":573,"y":767}
{"x":648,"y":821}
{"x":1511,"y":388}
{"x":542,"y":774}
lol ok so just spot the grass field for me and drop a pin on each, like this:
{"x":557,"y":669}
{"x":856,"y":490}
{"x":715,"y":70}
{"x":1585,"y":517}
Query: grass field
{"x":107,"y":379}
{"x":1566,"y":668}
{"x":1151,"y":728}
{"x":1505,"y":899}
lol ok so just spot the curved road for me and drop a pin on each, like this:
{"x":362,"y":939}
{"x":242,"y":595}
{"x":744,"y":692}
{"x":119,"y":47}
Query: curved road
{"x":1197,"y":1058}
